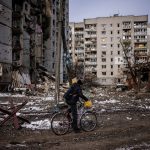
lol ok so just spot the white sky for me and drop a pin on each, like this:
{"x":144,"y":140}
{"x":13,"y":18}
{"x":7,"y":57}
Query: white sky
{"x":82,"y":9}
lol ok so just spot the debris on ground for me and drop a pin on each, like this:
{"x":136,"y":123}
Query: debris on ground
{"x":123,"y":122}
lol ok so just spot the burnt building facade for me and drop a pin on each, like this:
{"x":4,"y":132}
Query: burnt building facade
{"x":5,"y":41}
{"x":28,"y":38}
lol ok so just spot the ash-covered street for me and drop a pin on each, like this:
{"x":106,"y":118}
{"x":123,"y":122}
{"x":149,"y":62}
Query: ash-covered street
{"x":123,"y":123}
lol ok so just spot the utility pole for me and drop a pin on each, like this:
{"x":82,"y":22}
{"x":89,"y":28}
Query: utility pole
{"x":61,"y":39}
{"x":58,"y":53}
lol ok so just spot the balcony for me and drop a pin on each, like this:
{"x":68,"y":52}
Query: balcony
{"x":93,"y":49}
{"x":140,"y":40}
{"x":88,"y":42}
{"x":90,"y":69}
{"x":140,"y":26}
{"x":87,"y":49}
{"x":127,"y":33}
{"x":90,"y":49}
{"x":90,"y":35}
{"x":140,"y":33}
{"x":87,"y":35}
{"x":79,"y":45}
{"x":79,"y":39}
{"x":87,"y":56}
{"x":140,"y":48}
{"x":126,"y":26}
{"x":70,"y":51}
{"x":89,"y":63}
{"x":80,"y":58}
{"x":78,"y":32}
{"x":79,"y":51}
{"x":140,"y":54}
{"x":90,"y":29}
{"x":90,"y":56}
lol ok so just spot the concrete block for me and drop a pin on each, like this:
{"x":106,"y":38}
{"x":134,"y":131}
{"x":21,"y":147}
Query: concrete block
{"x":5,"y":35}
{"x":7,"y":3}
{"x":5,"y":54}
{"x":5,"y":16}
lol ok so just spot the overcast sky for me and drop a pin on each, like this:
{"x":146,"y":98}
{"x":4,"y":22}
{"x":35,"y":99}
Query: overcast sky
{"x":82,"y":9}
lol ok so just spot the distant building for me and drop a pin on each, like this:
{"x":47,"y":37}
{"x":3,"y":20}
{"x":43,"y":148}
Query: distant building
{"x":97,"y":42}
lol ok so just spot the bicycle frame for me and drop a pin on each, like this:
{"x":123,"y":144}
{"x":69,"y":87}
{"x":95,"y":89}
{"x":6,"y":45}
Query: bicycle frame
{"x":84,"y":119}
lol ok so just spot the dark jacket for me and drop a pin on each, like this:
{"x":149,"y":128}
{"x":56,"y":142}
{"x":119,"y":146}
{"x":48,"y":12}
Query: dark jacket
{"x":73,"y":94}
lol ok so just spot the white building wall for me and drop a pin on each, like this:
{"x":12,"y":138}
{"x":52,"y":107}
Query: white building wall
{"x":110,"y":58}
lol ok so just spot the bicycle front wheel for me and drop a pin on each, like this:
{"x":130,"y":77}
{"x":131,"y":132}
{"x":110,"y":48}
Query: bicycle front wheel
{"x":88,"y":121}
{"x":60,"y":124}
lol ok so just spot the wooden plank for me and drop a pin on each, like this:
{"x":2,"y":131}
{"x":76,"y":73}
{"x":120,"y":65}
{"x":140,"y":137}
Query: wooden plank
{"x":13,"y":113}
{"x":9,"y":112}
{"x":15,"y":119}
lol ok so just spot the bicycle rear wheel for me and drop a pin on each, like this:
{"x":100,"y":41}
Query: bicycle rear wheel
{"x":60,"y":124}
{"x":88,"y":121}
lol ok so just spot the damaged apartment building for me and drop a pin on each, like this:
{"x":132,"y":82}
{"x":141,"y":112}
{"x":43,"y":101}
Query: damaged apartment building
{"x":28,"y":40}
{"x":5,"y":41}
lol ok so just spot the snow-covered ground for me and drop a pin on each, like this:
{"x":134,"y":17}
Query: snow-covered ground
{"x":40,"y":124}
{"x":120,"y":114}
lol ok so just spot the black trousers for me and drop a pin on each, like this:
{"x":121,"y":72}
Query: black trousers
{"x":73,"y":110}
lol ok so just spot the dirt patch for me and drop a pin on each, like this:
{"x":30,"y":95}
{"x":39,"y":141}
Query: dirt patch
{"x":113,"y":133}
{"x":123,"y":123}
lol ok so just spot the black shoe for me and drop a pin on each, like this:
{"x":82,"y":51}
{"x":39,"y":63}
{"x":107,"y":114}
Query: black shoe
{"x":77,"y":130}
{"x":69,"y":118}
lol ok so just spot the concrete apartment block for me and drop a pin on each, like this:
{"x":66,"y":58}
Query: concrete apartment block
{"x":103,"y":51}
{"x":77,"y":41}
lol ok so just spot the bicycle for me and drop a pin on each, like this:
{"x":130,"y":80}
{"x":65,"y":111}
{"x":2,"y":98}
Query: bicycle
{"x":87,"y":120}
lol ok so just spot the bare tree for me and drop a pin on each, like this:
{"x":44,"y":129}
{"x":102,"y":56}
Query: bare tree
{"x":136,"y":66}
{"x":126,"y":45}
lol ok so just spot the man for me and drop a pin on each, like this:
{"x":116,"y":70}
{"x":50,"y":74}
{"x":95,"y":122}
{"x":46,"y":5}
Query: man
{"x":72,"y":97}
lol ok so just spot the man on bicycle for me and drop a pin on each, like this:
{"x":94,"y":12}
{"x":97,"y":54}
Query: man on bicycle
{"x":72,"y":97}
